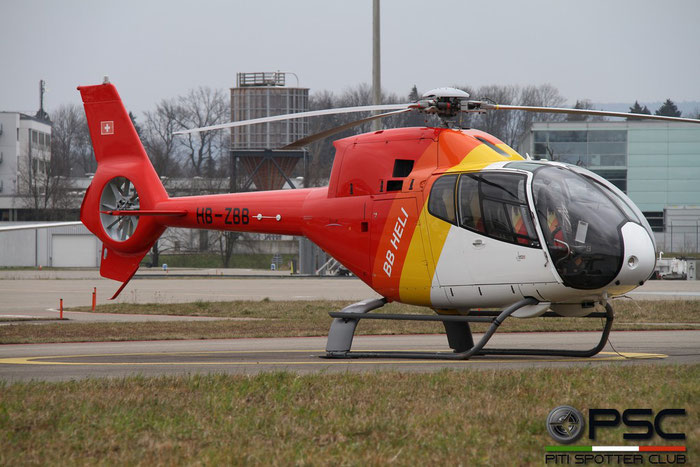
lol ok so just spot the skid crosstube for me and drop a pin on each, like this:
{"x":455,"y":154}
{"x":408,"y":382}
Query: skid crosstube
{"x":458,"y":333}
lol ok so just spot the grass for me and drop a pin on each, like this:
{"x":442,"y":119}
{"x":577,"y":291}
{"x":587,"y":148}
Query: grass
{"x":6,"y":319}
{"x":467,"y":417}
{"x":310,"y":318}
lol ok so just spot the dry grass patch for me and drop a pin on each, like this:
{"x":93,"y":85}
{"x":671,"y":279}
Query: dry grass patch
{"x":6,"y":319}
{"x":628,"y":312}
{"x":449,"y":417}
{"x":299,"y":318}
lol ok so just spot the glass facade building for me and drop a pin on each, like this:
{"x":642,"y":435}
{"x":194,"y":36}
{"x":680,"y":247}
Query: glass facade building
{"x":656,"y":164}
{"x":602,"y":151}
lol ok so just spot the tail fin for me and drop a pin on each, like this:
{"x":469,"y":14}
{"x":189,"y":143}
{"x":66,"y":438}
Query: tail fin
{"x":125,"y":180}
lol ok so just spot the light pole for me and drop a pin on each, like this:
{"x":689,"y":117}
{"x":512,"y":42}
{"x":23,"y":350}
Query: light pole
{"x":376,"y":63}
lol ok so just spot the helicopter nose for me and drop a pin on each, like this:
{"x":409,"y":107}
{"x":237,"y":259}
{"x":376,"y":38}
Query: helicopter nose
{"x":639,"y":257}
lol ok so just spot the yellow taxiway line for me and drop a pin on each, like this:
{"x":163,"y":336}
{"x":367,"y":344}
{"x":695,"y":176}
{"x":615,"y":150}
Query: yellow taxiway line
{"x":51,"y":360}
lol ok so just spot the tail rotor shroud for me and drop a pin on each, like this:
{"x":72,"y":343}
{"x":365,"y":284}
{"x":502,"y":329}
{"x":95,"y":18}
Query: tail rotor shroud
{"x":119,"y":194}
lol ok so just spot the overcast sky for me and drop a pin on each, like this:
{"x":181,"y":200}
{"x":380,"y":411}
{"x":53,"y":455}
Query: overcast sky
{"x":603,"y":50}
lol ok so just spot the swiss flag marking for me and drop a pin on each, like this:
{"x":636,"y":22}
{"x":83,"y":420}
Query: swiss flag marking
{"x":107,"y":128}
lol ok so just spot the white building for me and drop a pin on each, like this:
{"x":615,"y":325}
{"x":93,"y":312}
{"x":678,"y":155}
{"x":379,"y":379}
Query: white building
{"x":25,"y":153}
{"x":72,"y":246}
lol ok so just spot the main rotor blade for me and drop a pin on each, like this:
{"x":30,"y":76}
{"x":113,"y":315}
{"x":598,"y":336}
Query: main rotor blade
{"x":300,"y":143}
{"x":603,"y":113}
{"x":9,"y":228}
{"x":313,"y":113}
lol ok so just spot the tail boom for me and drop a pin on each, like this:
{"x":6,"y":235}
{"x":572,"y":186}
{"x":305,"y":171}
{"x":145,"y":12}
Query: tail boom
{"x":273,"y":212}
{"x":127,"y":207}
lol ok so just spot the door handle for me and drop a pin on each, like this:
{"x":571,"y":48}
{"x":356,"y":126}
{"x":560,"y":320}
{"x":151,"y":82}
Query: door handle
{"x":478,"y":243}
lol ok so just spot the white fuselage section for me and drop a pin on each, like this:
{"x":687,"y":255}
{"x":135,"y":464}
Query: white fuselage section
{"x":475,"y":270}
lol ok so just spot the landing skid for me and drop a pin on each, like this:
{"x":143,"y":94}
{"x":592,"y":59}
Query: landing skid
{"x":459,"y":334}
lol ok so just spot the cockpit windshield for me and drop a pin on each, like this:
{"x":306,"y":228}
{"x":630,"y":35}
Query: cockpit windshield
{"x":581,"y":223}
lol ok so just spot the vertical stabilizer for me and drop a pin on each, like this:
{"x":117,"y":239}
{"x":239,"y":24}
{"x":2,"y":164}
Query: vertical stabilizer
{"x":125,"y":180}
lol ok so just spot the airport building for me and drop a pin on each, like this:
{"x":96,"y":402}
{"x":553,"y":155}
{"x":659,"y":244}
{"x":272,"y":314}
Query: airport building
{"x":264,"y":94}
{"x":656,"y":164}
{"x":25,"y":154}
{"x":71,"y":246}
{"x":257,"y":161}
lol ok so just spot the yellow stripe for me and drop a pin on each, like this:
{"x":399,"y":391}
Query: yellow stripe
{"x":514,"y":154}
{"x":430,"y":235}
{"x":419,"y":267}
{"x":481,"y":157}
{"x":34,"y":360}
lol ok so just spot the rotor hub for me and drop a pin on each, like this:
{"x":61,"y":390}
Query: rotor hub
{"x":446,"y":103}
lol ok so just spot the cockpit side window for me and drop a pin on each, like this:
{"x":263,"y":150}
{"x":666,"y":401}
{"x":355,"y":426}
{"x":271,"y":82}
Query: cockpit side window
{"x":442,"y":199}
{"x":469,"y":205}
{"x":495,"y":204}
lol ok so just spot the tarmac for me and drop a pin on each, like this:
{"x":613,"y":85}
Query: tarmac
{"x":35,"y":294}
{"x":30,"y":294}
{"x":56,"y":362}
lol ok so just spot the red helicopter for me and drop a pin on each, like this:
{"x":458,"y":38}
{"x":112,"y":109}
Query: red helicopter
{"x":446,"y":218}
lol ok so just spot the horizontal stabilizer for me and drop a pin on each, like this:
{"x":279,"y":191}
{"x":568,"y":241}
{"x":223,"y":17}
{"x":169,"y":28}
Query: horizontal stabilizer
{"x":147,"y":212}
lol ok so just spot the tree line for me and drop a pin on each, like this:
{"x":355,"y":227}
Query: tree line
{"x":206,"y":154}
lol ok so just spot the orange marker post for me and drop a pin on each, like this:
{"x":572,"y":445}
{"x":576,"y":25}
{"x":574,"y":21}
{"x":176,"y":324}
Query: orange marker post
{"x":60,"y":308}
{"x":94,"y":298}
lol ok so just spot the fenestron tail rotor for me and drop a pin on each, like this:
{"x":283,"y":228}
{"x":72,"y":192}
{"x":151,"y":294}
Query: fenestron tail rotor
{"x":119,"y":194}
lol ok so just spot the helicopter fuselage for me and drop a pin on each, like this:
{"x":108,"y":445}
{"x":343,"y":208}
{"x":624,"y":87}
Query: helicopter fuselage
{"x":453,"y":220}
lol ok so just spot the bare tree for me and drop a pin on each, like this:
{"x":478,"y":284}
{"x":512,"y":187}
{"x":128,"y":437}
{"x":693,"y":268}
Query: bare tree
{"x":544,"y":95}
{"x":31,"y":175}
{"x":511,"y":126}
{"x":322,"y":152}
{"x":83,"y":157}
{"x":71,"y":147}
{"x":66,"y":137}
{"x":226,"y":241}
{"x":498,"y":123}
{"x":158,"y":139}
{"x":201,"y":107}
{"x":42,"y":185}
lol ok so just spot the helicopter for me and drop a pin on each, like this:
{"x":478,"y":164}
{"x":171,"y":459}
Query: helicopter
{"x":442,"y":217}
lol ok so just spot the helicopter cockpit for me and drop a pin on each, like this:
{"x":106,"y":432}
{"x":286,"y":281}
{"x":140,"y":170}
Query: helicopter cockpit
{"x":581,"y":226}
{"x":582,"y":220}
{"x":594,"y":234}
